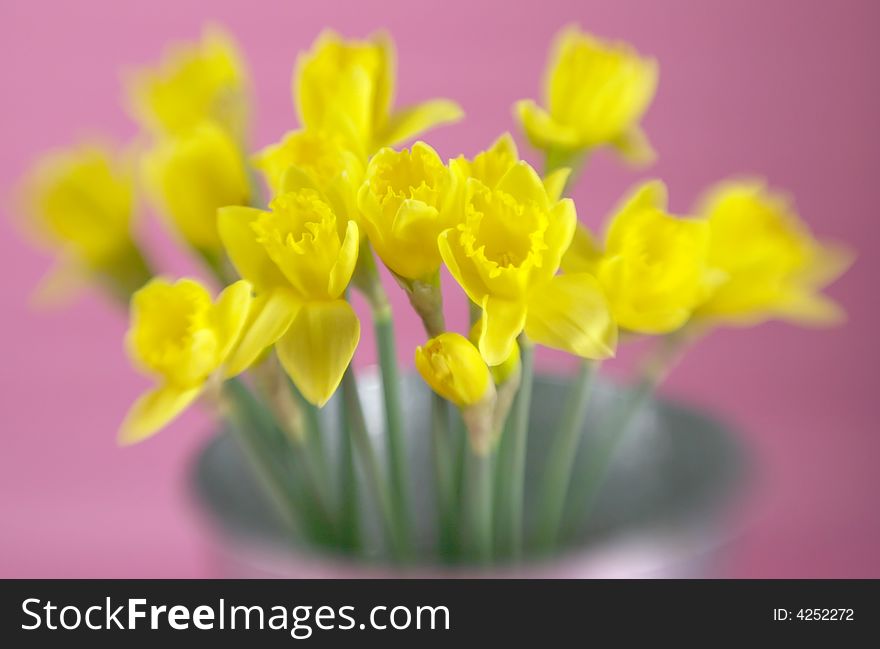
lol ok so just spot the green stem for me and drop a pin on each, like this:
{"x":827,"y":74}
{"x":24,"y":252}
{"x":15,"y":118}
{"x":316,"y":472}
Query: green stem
{"x":589,"y":481}
{"x":560,"y":459}
{"x":459,"y":461}
{"x":314,"y":443}
{"x":268,"y":450}
{"x":370,"y":464}
{"x":396,"y":449}
{"x":479,"y":492}
{"x":513,"y":487}
{"x":443,"y":475}
{"x":349,"y":527}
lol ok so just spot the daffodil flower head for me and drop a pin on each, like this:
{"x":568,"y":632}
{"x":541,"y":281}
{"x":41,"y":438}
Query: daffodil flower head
{"x":654,"y":269}
{"x":194,"y":82}
{"x":190,"y":176}
{"x":506,"y":254}
{"x":595,"y":94}
{"x":408,"y":198}
{"x":79,"y":203}
{"x":182,"y":338}
{"x":80,"y":200}
{"x":772,"y":265}
{"x":347,"y":87}
{"x":321,"y":162}
{"x":453,"y":367}
{"x":300,"y":256}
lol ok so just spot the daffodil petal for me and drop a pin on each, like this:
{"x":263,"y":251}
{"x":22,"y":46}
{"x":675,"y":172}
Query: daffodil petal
{"x":831,"y":261}
{"x":409,"y":122}
{"x":270,"y":318}
{"x":503,"y":320}
{"x":570,"y":313}
{"x":318,"y":347}
{"x":231,"y":312}
{"x":811,"y":309}
{"x":153,"y":411}
{"x":247,"y":255}
{"x":461,"y":267}
{"x":61,"y":283}
{"x":340,"y":274}
{"x":558,"y":236}
{"x":584,"y":254}
{"x":295,"y":179}
{"x":634,"y":147}
{"x":651,"y":194}
{"x":543,"y":132}
{"x":554,"y":183}
{"x":524,"y":184}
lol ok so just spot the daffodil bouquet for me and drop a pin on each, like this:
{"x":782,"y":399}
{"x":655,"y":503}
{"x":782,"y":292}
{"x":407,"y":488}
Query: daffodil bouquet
{"x":293,"y":230}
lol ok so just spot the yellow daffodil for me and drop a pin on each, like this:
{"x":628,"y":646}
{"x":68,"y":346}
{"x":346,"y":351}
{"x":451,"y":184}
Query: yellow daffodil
{"x":654,"y":268}
{"x":451,"y":365}
{"x":322,"y":163}
{"x":195,"y":82}
{"x":80,"y":203}
{"x":773,"y":267}
{"x":408,"y":198}
{"x":595,"y":93}
{"x":182,"y":338}
{"x":190,"y":176}
{"x":299,"y":256}
{"x":454,"y":369}
{"x":506,"y":254}
{"x":347,"y":87}
{"x":489,"y":167}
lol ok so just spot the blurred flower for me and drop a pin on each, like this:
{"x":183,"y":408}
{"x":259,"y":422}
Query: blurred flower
{"x":454,"y":369}
{"x":320,"y":162}
{"x":505,"y":255}
{"x":194,"y":82}
{"x":654,"y":269}
{"x":346,"y":87}
{"x":182,"y":338}
{"x":300,"y":261}
{"x":408,"y":198}
{"x":595,"y":93}
{"x":489,"y":167}
{"x":772,"y":265}
{"x":80,"y":203}
{"x":190,"y":176}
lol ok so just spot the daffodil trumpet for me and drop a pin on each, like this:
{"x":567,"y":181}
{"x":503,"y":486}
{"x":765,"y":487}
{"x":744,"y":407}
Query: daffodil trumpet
{"x":346,"y":195}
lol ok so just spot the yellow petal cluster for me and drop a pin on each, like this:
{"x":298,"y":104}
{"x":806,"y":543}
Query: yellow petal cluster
{"x":182,"y":338}
{"x":454,"y":369}
{"x":407,"y":199}
{"x":654,"y":268}
{"x":192,"y":175}
{"x":300,"y":256}
{"x":595,"y":94}
{"x":772,"y":265}
{"x":505,"y":255}
{"x":194,"y":83}
{"x":346,"y":87}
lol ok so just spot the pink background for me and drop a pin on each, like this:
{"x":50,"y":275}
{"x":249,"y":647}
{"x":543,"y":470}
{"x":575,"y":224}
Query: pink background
{"x":788,"y":90}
